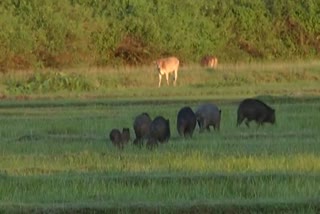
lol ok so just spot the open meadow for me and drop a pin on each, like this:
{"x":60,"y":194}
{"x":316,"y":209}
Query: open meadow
{"x":56,"y":156}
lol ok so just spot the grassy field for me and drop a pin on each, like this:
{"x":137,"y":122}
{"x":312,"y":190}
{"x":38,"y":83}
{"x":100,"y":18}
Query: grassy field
{"x":55,"y":153}
{"x":229,"y":81}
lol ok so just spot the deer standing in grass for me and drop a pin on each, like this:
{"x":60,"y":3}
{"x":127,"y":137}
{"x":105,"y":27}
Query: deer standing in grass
{"x":209,"y":61}
{"x":165,"y":66}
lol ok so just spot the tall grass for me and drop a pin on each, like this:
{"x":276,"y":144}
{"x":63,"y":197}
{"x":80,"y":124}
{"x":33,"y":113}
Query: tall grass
{"x":299,"y":78}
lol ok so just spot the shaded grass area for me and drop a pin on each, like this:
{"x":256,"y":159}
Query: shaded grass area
{"x":171,"y":190}
{"x":238,"y":206}
{"x":9,"y":105}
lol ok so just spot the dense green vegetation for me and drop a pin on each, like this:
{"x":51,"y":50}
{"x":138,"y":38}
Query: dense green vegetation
{"x":55,"y":156}
{"x":42,"y":33}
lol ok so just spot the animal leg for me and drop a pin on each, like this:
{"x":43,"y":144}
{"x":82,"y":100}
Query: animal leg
{"x":215,"y":63}
{"x":181,"y":131}
{"x":138,"y":142}
{"x":160,"y":77}
{"x":240,"y":120}
{"x":152,"y":144}
{"x":217,"y":126}
{"x":206,"y":124}
{"x":167,"y":77}
{"x":188,"y":133}
{"x":200,"y":123}
{"x":260,"y":123}
{"x":247,"y":123}
{"x":175,"y":77}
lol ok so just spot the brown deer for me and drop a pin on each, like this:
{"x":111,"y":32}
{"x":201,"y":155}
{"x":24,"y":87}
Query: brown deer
{"x":209,"y":61}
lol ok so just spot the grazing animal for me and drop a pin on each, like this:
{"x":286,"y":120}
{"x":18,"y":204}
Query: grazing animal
{"x":186,"y":122}
{"x":125,"y":136}
{"x":159,"y":132}
{"x":116,"y":138}
{"x":209,"y":61}
{"x":208,"y":115}
{"x":141,"y":126}
{"x":165,"y":66}
{"x":253,"y":109}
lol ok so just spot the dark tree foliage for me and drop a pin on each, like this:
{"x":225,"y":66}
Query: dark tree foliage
{"x":43,"y":33}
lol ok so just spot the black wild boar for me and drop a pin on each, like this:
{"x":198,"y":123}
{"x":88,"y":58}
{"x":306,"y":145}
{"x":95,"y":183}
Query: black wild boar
{"x":208,"y":115}
{"x":125,"y":136}
{"x":141,"y":126}
{"x":253,"y":109}
{"x":115,"y":137}
{"x":159,"y":132}
{"x":186,"y":122}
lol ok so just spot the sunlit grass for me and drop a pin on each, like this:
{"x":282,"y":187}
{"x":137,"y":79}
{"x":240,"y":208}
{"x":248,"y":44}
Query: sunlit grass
{"x":232,"y":80}
{"x":163,"y":163}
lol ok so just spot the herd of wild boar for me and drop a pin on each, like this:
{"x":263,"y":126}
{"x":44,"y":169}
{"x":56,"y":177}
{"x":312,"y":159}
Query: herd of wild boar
{"x":158,"y":130}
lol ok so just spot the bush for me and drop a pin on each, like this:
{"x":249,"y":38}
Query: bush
{"x":50,"y":82}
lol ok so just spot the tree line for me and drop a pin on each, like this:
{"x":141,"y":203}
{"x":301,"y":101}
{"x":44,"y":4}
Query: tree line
{"x":65,"y":33}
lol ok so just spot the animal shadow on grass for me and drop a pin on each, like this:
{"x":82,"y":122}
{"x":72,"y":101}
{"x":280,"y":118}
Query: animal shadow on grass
{"x":210,"y":70}
{"x":257,"y":135}
{"x":29,"y":138}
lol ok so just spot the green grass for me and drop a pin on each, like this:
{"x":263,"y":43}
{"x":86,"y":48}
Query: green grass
{"x":55,"y":153}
